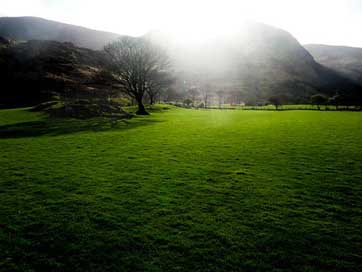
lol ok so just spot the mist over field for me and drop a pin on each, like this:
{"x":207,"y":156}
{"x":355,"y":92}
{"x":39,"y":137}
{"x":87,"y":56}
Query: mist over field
{"x":180,"y":135}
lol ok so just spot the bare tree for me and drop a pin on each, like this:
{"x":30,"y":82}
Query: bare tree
{"x":170,"y":94}
{"x":193,"y":93}
{"x":235,"y":97}
{"x":220,"y":97}
{"x":137,"y":65}
{"x":206,"y":94}
{"x":158,"y":82}
{"x":276,"y":100}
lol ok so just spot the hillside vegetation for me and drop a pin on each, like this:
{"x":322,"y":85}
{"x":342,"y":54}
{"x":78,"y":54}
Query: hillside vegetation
{"x":35,"y":71}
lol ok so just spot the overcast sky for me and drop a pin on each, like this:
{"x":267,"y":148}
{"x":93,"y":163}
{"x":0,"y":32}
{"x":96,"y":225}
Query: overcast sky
{"x":337,"y":22}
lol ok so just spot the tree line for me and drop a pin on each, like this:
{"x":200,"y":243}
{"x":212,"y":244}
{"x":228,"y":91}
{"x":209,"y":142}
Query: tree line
{"x":131,"y":70}
{"x":141,"y":70}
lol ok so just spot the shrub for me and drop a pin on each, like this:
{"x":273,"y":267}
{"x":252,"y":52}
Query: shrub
{"x":122,"y":101}
{"x":187,"y":102}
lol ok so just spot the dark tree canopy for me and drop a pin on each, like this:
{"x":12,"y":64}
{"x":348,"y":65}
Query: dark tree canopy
{"x":187,"y":102}
{"x":336,"y":100}
{"x":220,"y":97}
{"x":139,"y":66}
{"x":277,"y":100}
{"x":318,"y":99}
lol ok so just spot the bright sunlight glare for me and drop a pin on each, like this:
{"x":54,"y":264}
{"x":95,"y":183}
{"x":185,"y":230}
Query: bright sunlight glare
{"x":197,"y":20}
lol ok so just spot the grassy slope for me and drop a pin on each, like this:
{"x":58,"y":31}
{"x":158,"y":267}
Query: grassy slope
{"x":184,"y":190}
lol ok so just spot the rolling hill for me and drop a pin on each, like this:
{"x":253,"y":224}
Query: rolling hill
{"x":257,"y":61}
{"x":345,"y":60}
{"x":33,"y":28}
{"x":35,"y":71}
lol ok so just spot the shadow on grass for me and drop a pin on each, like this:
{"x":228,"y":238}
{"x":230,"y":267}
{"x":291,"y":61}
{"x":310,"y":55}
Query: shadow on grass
{"x":60,"y":126}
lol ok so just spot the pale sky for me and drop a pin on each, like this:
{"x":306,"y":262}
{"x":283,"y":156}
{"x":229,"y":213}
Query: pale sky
{"x":337,"y":22}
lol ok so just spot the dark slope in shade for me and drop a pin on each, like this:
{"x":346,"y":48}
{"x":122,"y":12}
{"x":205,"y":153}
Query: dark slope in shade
{"x":346,"y":60}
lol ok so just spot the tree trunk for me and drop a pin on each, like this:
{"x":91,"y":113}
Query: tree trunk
{"x":152,"y":100}
{"x":141,"y":109}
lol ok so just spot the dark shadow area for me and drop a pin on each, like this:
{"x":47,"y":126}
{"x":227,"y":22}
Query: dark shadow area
{"x":60,"y":126}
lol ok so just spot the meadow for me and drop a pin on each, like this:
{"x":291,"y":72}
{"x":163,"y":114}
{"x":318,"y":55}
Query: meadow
{"x":182,"y":190}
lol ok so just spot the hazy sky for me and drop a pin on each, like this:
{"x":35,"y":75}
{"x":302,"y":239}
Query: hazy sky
{"x":310,"y":21}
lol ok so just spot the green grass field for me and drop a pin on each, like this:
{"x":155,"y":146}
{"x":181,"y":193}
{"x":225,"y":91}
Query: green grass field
{"x":182,"y":190}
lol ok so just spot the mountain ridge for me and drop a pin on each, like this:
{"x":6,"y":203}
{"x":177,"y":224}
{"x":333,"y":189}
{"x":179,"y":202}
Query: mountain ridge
{"x":258,"y":62}
{"x":35,"y":28}
{"x":346,"y":60}
{"x":35,"y":71}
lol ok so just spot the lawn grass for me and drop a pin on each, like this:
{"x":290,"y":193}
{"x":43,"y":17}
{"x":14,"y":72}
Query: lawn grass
{"x":288,"y":107}
{"x":182,"y":190}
